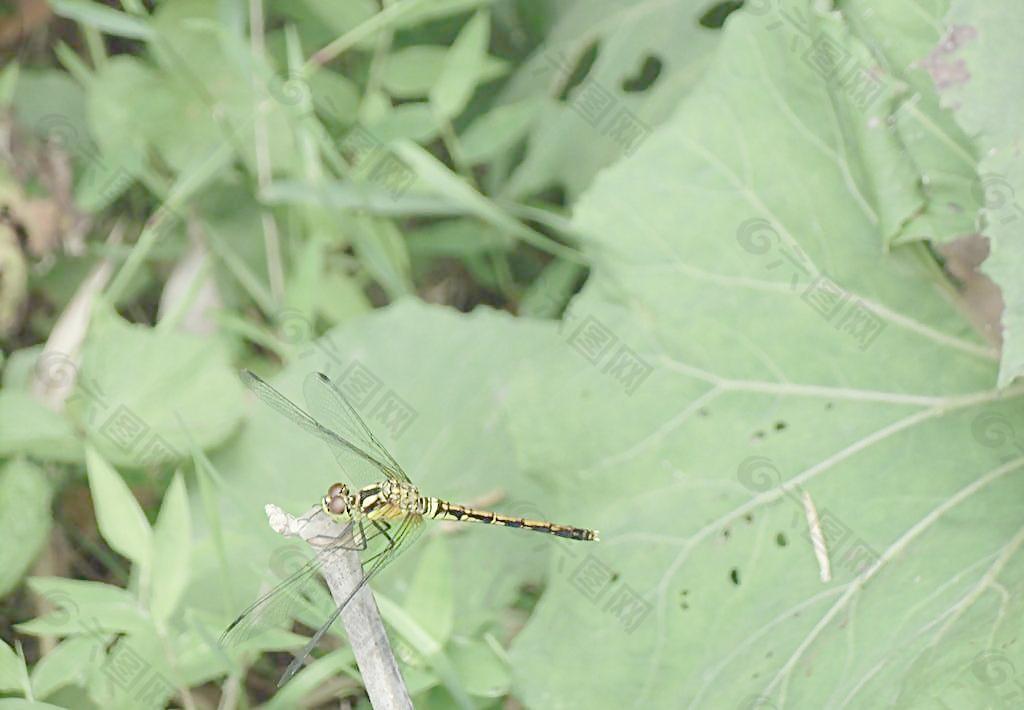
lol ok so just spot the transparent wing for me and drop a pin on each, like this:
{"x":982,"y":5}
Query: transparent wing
{"x":400,"y":539}
{"x":296,"y":592}
{"x":350,"y":455}
{"x":330,"y":405}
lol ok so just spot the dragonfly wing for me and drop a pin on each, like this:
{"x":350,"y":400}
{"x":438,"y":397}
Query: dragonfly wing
{"x":400,"y":540}
{"x":279,"y":605}
{"x":329,"y":404}
{"x":350,"y":455}
{"x":279,"y":403}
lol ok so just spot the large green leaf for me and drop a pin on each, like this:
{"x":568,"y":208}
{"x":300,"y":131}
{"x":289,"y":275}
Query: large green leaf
{"x":988,"y":98}
{"x":746,"y":351}
{"x":139,"y":388}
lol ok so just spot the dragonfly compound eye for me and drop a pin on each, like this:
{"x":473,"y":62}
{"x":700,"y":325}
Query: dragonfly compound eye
{"x":338,"y":489}
{"x":337,"y":505}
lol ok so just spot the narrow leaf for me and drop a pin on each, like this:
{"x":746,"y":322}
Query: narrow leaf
{"x":172,"y":538}
{"x":103,"y":18}
{"x":430,"y":601}
{"x":461,"y":71}
{"x":12,"y":669}
{"x":121,"y":521}
{"x":25,"y":495}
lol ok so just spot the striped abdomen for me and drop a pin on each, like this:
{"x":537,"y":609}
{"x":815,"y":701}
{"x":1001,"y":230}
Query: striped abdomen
{"x":443,"y":510}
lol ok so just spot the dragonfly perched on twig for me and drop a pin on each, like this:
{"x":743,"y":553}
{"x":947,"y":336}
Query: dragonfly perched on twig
{"x":381,"y":518}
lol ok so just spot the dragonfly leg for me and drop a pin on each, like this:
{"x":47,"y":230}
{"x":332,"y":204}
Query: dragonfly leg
{"x":383,"y":527}
{"x":361,"y":544}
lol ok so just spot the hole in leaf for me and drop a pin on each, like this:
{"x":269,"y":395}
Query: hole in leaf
{"x":649,"y":72}
{"x":555,"y":193}
{"x":734,"y":575}
{"x":580,"y":71}
{"x":715,"y":17}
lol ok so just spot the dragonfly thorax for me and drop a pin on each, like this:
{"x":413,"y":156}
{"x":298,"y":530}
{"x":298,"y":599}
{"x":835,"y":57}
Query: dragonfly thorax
{"x":401,"y":496}
{"x":386,"y":499}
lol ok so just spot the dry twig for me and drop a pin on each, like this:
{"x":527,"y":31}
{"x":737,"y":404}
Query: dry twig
{"x":342,"y":571}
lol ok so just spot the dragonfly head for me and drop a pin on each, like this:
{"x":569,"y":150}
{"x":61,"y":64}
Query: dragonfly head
{"x":336,"y":502}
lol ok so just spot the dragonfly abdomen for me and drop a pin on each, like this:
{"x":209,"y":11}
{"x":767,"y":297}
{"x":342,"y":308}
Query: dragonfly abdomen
{"x":443,"y":510}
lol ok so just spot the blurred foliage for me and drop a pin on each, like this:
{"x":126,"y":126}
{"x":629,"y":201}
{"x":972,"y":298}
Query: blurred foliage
{"x":675,"y":271}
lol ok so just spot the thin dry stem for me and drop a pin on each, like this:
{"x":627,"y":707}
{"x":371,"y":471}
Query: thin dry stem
{"x":377,"y":665}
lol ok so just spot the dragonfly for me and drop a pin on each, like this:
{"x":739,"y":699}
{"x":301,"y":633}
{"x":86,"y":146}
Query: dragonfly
{"x":380,"y":519}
